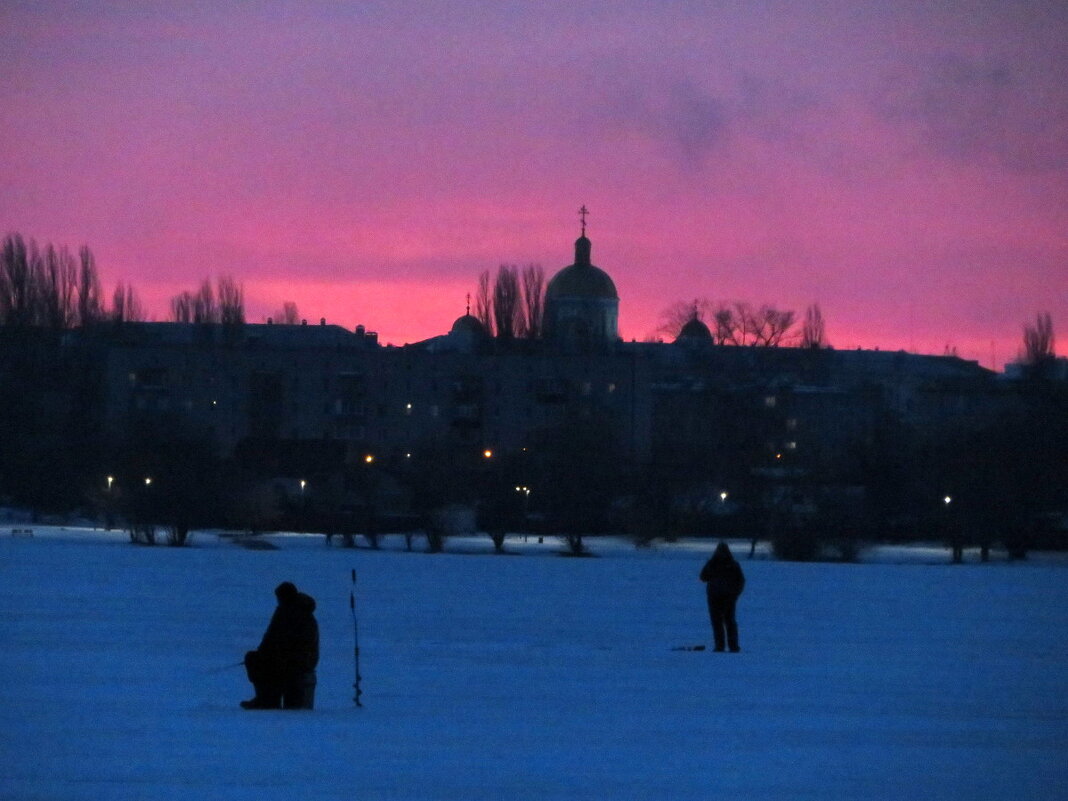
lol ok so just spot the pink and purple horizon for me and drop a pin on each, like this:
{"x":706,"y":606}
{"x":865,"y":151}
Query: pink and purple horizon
{"x":906,"y":167}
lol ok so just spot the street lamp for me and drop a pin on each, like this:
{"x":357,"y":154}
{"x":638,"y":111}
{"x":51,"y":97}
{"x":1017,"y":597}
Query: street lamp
{"x":723,"y":497}
{"x":525,"y":492}
{"x":488,"y":453}
{"x":947,"y":500}
{"x":148,"y":480}
{"x":111,"y":480}
{"x":303,"y":484}
{"x":369,"y":458}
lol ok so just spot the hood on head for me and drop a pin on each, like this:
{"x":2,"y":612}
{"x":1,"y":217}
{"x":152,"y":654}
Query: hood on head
{"x":286,"y":591}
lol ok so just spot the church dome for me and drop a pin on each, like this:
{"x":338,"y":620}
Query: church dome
{"x":694,"y":331}
{"x":468,"y":325}
{"x":581,"y":279}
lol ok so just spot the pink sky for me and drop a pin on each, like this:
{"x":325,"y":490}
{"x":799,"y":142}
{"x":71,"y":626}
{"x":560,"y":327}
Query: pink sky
{"x":904,"y":167}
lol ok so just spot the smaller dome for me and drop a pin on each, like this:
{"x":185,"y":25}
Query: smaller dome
{"x":694,"y":331}
{"x":469,"y":325}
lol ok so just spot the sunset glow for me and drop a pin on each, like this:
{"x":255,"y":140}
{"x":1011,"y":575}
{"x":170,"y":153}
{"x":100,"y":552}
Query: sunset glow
{"x":906,"y":167}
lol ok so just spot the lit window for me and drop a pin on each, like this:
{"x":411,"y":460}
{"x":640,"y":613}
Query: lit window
{"x":769,"y":401}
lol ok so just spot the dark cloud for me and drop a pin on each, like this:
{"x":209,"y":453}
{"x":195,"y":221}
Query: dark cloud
{"x":987,"y":112}
{"x":695,"y":122}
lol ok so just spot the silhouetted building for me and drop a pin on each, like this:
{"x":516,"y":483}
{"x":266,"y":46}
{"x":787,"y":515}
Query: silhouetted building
{"x":295,"y":391}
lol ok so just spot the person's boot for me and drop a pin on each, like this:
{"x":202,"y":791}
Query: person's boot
{"x":262,"y":702}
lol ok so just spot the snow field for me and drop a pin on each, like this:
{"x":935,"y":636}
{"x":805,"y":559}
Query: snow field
{"x":528,"y":676}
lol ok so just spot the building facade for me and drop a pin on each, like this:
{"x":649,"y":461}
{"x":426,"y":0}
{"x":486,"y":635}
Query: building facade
{"x":286,"y":395}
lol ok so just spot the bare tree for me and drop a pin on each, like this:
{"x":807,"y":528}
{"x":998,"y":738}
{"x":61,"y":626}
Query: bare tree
{"x":507,"y":309}
{"x":56,"y":288}
{"x":768,"y":326}
{"x":231,"y":309}
{"x":728,"y":329}
{"x":732,"y":324}
{"x":1039,"y":342}
{"x":182,"y":307}
{"x":18,"y":282}
{"x":813,"y":331}
{"x":484,"y":302}
{"x":226,"y":304}
{"x":512,"y":304}
{"x":735,"y":324}
{"x":90,"y":308}
{"x":204,"y":308}
{"x":674,"y":317}
{"x":533,"y":300}
{"x":287,"y":315}
{"x":126,"y":306}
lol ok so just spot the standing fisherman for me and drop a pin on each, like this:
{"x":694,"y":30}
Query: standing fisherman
{"x":724,"y":582}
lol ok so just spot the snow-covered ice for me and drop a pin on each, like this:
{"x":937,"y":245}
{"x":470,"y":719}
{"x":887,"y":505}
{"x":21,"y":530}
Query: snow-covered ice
{"x":528,"y":676}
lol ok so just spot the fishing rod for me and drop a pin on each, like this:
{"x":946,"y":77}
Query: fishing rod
{"x":213,"y":671}
{"x":356,"y":640}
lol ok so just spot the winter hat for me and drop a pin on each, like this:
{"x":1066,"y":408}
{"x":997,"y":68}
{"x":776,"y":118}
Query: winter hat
{"x":285,"y":591}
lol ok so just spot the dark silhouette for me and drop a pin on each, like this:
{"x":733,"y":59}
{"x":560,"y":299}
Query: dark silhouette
{"x":511,"y":305}
{"x":282,"y":669}
{"x":724,"y":582}
{"x":814,"y":330}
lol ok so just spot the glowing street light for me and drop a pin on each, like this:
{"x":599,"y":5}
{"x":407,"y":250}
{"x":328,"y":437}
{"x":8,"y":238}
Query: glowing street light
{"x":148,"y":480}
{"x":525,"y":492}
{"x":369,"y":458}
{"x":723,"y":497}
{"x":303,"y":484}
{"x":488,"y":454}
{"x":111,"y":480}
{"x":947,"y":500}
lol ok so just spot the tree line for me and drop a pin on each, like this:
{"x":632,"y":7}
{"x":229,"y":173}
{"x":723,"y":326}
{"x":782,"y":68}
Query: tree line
{"x":50,"y":287}
{"x":511,"y":305}
{"x":742,"y":324}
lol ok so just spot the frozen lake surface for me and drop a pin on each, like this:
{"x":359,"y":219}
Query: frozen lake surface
{"x":529,"y":676}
